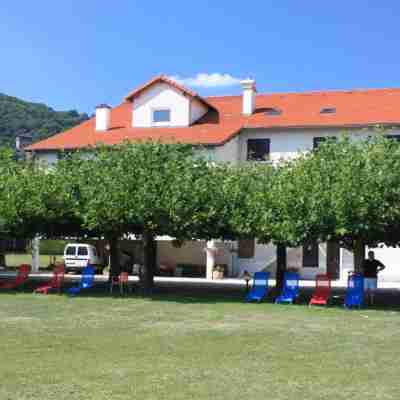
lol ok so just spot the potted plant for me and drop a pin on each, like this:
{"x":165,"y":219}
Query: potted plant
{"x":218,"y":272}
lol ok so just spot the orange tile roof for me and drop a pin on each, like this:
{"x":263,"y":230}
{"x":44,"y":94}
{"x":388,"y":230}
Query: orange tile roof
{"x":357,"y":108}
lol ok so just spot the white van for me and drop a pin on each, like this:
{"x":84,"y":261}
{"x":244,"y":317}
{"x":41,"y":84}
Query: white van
{"x":78,"y":255}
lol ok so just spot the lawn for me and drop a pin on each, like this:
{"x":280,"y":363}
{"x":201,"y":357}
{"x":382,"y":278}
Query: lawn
{"x":172,"y":347}
{"x":15,"y":260}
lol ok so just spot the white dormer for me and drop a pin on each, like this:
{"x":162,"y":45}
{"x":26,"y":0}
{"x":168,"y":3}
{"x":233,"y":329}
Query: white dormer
{"x":164,"y":103}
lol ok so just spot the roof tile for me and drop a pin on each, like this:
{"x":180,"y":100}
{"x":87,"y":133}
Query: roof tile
{"x":356,"y":108}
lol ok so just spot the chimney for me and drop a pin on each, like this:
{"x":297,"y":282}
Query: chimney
{"x":249,"y":96}
{"x":21,"y":141}
{"x":103,"y":117}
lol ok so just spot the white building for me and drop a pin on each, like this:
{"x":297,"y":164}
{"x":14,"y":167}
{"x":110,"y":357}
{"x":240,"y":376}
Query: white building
{"x":250,"y":126}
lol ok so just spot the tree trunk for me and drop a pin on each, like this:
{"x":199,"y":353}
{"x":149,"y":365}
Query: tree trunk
{"x":115,"y":267}
{"x":359,"y":255}
{"x":150,"y":261}
{"x":210,"y":258}
{"x":281,"y":263}
{"x":2,"y":260}
{"x":333,"y":260}
{"x":35,"y":254}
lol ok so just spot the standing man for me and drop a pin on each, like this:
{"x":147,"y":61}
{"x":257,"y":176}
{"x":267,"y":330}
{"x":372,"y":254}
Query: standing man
{"x":371,"y":267}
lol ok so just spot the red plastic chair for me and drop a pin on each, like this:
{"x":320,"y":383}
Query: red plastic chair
{"x":20,"y":279}
{"x":122,"y":281}
{"x":322,"y":291}
{"x":55,"y":283}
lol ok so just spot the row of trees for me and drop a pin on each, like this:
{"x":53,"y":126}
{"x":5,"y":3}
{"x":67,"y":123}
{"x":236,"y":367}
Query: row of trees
{"x":347,"y":191}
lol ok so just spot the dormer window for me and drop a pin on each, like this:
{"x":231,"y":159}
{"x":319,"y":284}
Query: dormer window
{"x":328,"y":110}
{"x":162,"y":116}
{"x":272,"y":111}
{"x":162,"y":102}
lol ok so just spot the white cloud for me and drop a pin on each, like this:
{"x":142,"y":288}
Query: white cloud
{"x":205,"y":80}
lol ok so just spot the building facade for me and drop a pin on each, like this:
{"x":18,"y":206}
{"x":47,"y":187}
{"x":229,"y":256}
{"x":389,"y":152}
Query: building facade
{"x":249,"y":127}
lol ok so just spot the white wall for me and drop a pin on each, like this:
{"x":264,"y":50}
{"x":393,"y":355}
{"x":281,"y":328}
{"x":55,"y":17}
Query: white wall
{"x":390,"y":257}
{"x":229,"y":152}
{"x":265,"y":259}
{"x":49,"y":158}
{"x":288,"y":143}
{"x":46,"y":157}
{"x":161,"y":96}
{"x":192,"y":252}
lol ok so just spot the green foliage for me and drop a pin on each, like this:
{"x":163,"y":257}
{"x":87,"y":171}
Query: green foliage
{"x":33,"y":200}
{"x":347,"y":190}
{"x":243,"y":194}
{"x":163,"y":189}
{"x":20,"y":117}
{"x":53,"y":247}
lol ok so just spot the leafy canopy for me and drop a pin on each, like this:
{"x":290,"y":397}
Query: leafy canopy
{"x":162,"y":189}
{"x":347,"y":190}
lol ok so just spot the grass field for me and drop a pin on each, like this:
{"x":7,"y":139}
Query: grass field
{"x":172,"y":347}
{"x":15,"y":260}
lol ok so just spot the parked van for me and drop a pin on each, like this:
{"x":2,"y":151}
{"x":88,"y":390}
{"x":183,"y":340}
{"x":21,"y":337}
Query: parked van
{"x":78,"y":255}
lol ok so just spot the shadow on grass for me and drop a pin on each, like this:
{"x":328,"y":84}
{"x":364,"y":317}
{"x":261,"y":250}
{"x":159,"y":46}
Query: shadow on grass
{"x":386,"y":300}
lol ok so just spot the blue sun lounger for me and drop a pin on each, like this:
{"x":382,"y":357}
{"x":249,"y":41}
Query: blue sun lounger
{"x":290,"y":289}
{"x":87,"y":281}
{"x":355,"y":291}
{"x":259,"y":289}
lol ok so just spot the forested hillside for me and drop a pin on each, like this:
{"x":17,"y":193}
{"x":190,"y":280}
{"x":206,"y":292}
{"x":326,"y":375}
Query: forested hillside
{"x":38,"y":120}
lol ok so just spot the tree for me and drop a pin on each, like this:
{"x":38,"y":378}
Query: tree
{"x":35,"y":202}
{"x":149,"y":189}
{"x":347,"y":191}
{"x":20,"y":201}
{"x":29,"y":201}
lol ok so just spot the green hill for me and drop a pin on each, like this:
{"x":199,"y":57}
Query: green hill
{"x":18,"y":117}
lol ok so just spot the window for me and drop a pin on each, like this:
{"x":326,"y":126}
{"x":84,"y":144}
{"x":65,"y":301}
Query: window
{"x":318,"y":140}
{"x":82,"y":251}
{"x":246,"y":248}
{"x":328,"y":110}
{"x":258,"y":149}
{"x":161,"y":116}
{"x":71,"y":251}
{"x":272,"y":111}
{"x":310,"y":255}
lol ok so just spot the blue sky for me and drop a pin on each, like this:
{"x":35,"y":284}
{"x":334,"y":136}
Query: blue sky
{"x":76,"y":54}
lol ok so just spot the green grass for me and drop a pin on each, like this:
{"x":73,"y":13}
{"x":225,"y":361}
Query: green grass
{"x":169,"y":347}
{"x":15,"y":260}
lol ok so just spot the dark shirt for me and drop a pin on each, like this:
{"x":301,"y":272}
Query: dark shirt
{"x":370,"y":268}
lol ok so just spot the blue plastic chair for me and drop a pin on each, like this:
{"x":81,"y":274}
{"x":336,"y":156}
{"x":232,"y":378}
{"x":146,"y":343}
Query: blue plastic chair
{"x":259,"y":289}
{"x":355,"y":291}
{"x":87,"y":281}
{"x":290,"y":289}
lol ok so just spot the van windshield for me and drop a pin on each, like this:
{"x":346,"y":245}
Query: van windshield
{"x":82,"y":251}
{"x":71,"y":250}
